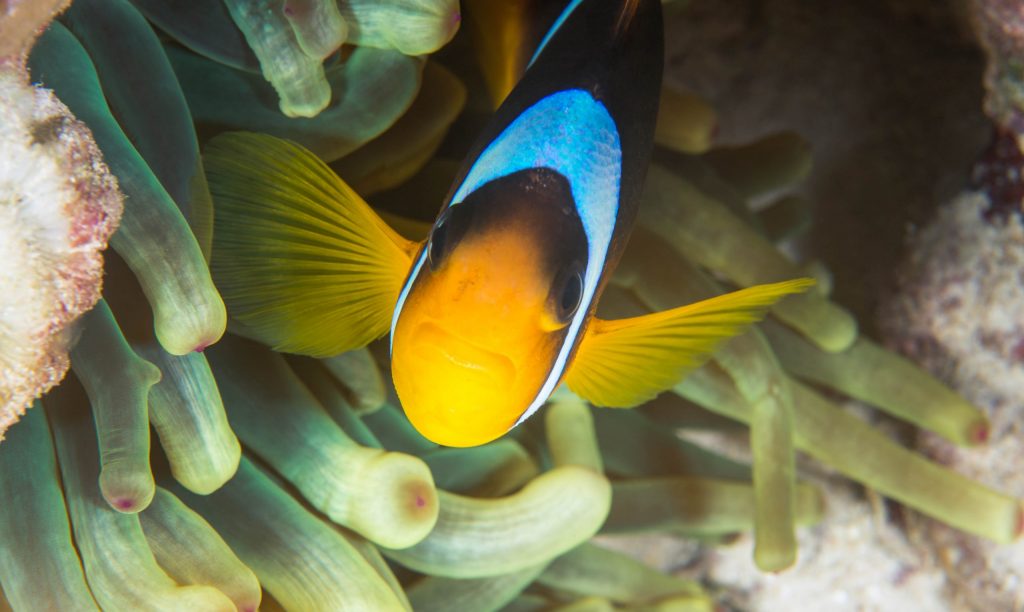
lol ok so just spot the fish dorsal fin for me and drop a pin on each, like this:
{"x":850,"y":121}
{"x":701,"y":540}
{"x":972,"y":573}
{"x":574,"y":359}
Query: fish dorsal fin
{"x":624,"y":362}
{"x":301,"y":260}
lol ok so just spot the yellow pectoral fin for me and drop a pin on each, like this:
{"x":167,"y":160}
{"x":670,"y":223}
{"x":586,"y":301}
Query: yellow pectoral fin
{"x":625,"y":362}
{"x":301,"y":260}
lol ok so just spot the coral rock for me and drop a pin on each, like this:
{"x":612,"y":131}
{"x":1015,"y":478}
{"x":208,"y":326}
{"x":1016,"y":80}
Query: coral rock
{"x":58,"y":207}
{"x":20,"y":22}
{"x":960,"y":313}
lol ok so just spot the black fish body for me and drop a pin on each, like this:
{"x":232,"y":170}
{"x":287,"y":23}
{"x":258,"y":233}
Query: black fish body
{"x":573,"y":138}
{"x":496,"y":308}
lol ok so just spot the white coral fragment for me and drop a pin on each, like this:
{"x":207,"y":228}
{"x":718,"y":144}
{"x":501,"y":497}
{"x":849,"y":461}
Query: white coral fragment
{"x":58,"y":207}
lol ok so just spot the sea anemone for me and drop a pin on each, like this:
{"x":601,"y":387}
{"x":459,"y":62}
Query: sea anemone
{"x":286,"y":481}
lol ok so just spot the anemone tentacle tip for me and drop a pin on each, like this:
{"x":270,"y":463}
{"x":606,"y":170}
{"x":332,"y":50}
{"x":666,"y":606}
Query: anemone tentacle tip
{"x":124,"y":504}
{"x":421,"y":497}
{"x":981,"y":434}
{"x":126,"y":501}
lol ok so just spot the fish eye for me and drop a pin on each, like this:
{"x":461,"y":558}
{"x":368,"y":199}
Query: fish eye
{"x":438,"y":241}
{"x":570,"y":294}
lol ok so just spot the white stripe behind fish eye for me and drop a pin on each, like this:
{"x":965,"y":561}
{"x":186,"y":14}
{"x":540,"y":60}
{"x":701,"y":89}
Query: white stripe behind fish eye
{"x":404,"y":294}
{"x":573,"y":134}
{"x":584,"y":148}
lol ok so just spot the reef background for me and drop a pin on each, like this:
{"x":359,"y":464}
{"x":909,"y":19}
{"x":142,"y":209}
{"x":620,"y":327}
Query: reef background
{"x":889,"y":93}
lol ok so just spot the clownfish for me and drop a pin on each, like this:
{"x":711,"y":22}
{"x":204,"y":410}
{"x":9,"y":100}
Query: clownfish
{"x":495,"y":309}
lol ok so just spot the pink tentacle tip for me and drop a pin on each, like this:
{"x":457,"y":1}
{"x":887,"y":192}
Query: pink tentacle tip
{"x":250,"y":608}
{"x":201,"y":347}
{"x":421,"y":501}
{"x":456,"y":17}
{"x":288,"y":10}
{"x":981,"y":434}
{"x":124,"y":504}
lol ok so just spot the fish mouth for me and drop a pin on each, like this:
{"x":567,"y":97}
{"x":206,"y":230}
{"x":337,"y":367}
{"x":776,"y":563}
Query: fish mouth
{"x":475,"y":361}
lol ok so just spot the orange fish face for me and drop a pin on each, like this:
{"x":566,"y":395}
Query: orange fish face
{"x":486,"y":315}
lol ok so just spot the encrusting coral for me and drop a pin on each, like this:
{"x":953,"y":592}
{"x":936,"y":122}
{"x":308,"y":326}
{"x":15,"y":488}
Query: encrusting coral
{"x":999,"y":25}
{"x":287,"y":481}
{"x":966,"y":327}
{"x":58,"y":207}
